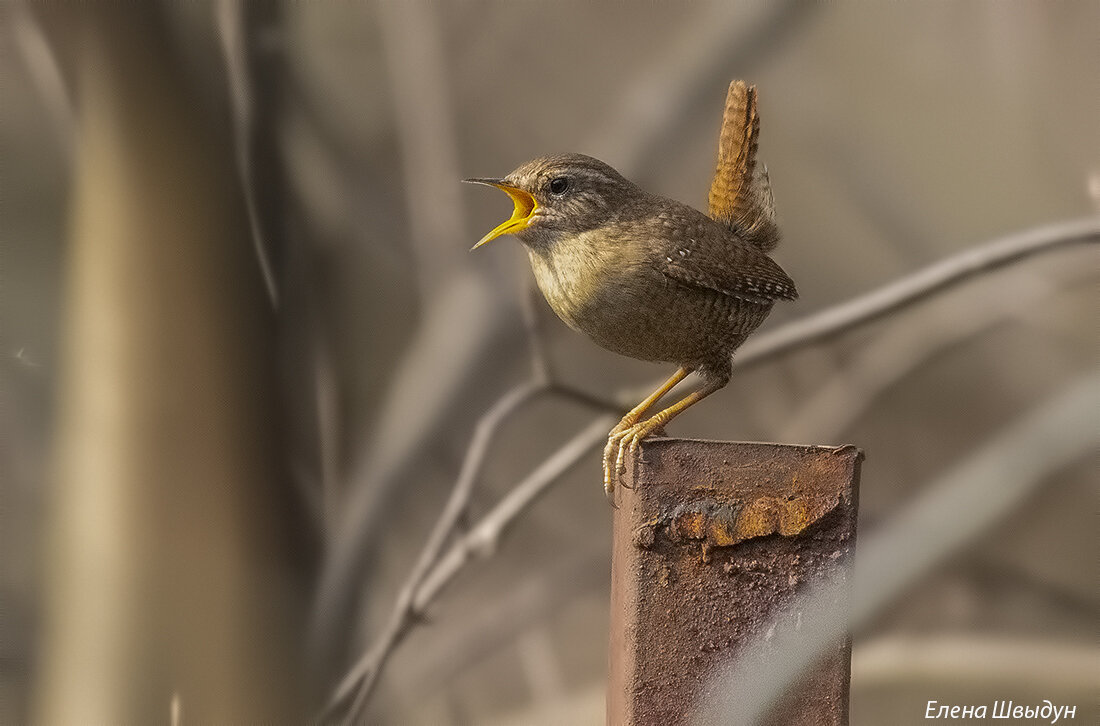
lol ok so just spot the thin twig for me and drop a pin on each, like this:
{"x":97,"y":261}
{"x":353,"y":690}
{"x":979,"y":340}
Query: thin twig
{"x":410,"y":601}
{"x":918,"y":286}
{"x":230,"y":23}
{"x":384,"y":461}
{"x":366,"y":673}
{"x":481,"y":541}
{"x":617,"y":404}
{"x":903,"y":349}
{"x":326,"y":390}
{"x":420,"y":373}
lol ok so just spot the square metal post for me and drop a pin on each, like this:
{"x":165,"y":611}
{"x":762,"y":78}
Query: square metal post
{"x":711,"y":541}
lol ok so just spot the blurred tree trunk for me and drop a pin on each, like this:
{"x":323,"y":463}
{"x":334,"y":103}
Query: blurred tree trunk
{"x":171,"y":570}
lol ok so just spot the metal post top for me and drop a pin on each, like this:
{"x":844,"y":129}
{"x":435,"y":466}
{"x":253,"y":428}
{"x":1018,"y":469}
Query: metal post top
{"x":712,"y":539}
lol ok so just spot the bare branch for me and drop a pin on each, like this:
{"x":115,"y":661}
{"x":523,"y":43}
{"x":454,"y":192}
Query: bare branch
{"x":900,"y":350}
{"x":326,"y":386}
{"x":230,"y":23}
{"x":954,"y":509}
{"x":479,"y":542}
{"x":378,"y":465}
{"x":419,"y":374}
{"x":918,"y":286}
{"x":404,"y":611}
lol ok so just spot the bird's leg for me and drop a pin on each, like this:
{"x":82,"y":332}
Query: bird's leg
{"x":627,"y":439}
{"x":629,"y":420}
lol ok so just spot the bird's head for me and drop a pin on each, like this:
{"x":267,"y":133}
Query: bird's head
{"x":565,"y":194}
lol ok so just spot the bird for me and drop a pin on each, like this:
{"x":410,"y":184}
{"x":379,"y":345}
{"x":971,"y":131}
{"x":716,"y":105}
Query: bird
{"x":650,"y":277}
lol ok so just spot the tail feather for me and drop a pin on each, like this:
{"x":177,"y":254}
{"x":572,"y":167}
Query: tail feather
{"x":740,"y":194}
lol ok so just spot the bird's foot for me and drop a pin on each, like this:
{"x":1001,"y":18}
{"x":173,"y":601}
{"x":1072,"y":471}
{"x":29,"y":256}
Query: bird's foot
{"x":609,"y":472}
{"x":623,"y":439}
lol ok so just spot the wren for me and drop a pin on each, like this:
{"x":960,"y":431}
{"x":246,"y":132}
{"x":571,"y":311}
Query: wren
{"x":649,"y":277}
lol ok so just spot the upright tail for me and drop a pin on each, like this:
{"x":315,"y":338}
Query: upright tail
{"x":741,"y":194}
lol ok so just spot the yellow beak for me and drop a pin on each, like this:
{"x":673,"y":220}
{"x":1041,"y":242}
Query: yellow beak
{"x":521,"y":215}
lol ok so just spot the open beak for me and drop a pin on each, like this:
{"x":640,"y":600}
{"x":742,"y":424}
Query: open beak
{"x":521,"y":215}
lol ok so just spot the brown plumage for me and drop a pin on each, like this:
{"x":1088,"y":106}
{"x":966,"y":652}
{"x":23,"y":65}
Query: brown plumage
{"x":740,"y":194}
{"x":647,"y":276}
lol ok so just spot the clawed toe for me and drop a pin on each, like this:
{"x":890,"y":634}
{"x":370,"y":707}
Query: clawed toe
{"x":621,"y":442}
{"x":629,"y":432}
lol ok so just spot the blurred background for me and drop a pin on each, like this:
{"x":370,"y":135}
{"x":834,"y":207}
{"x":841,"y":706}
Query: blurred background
{"x":245,"y":348}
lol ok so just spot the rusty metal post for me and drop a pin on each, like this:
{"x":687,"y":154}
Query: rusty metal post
{"x":713,"y":539}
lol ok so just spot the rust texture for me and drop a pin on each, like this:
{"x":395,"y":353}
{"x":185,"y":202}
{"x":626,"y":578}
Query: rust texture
{"x":712,"y":539}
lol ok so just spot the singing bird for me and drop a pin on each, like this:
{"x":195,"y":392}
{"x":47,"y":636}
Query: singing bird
{"x":650,"y":277}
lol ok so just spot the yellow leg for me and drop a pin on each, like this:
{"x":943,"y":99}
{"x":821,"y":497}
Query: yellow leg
{"x":629,"y":420}
{"x":627,"y":439}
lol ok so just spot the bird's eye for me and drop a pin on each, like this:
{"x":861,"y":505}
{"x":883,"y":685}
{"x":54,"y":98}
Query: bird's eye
{"x":559,"y":185}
